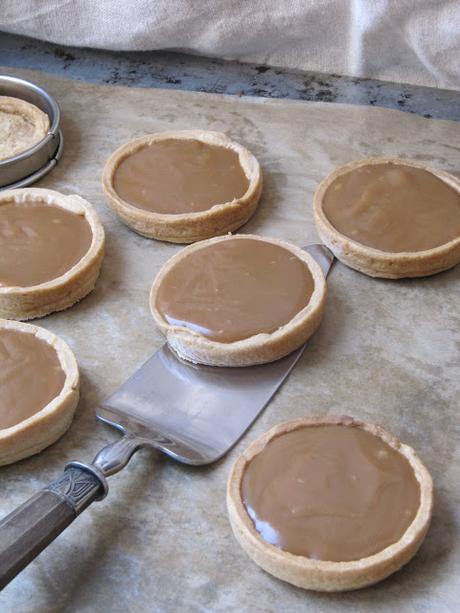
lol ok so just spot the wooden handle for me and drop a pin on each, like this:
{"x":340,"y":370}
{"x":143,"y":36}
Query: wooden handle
{"x":29,"y":529}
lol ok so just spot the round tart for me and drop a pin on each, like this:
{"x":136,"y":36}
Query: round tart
{"x":390,"y":217}
{"x":183,"y":186}
{"x":39,"y":389}
{"x":52,"y":248}
{"x":22,"y":125}
{"x":329,"y":503}
{"x":238,"y":300}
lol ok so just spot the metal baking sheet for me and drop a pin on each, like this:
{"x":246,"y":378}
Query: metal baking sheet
{"x":386,"y":352}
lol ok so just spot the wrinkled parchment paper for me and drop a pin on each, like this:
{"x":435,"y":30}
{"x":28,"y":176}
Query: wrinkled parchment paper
{"x":386,"y":352}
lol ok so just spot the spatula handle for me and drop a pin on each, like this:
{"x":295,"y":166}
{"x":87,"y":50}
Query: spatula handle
{"x":26,"y":531}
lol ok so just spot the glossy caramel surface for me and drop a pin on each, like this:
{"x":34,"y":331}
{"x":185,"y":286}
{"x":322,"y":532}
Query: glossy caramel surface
{"x":234,"y":289}
{"x":39,"y":242}
{"x":394,"y":208}
{"x":180,"y":176}
{"x":30,"y":376}
{"x":330,"y":492}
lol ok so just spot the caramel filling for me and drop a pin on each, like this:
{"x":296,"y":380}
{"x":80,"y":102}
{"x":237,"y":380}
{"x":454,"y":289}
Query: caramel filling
{"x":30,"y":376}
{"x":180,"y":176}
{"x":333,"y":493}
{"x":39,"y":243}
{"x":234,"y":289}
{"x":393,"y":208}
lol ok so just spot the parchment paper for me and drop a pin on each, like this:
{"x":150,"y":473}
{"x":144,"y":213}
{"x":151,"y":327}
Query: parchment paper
{"x":386,"y":352}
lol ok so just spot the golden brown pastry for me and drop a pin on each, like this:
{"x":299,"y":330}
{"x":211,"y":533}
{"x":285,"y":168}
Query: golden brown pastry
{"x":183,"y":186}
{"x":52,"y":248}
{"x":22,"y":125}
{"x":390,"y":217}
{"x":238,"y":300}
{"x":39,"y":389}
{"x":329,"y":503}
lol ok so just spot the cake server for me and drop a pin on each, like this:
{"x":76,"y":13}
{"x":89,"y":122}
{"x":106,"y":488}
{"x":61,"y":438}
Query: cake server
{"x":194,"y":414}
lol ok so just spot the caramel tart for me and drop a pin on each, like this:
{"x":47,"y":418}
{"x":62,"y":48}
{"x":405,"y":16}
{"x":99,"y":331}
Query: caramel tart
{"x":52,"y":248}
{"x":238,"y":300}
{"x":390,"y":217}
{"x":183,"y":186}
{"x":39,"y":389}
{"x":329,"y":503}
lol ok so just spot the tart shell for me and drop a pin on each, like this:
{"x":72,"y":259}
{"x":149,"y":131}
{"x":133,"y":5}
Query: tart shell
{"x":37,"y":120}
{"x":185,"y":227}
{"x":374,"y":262}
{"x":257,"y":349}
{"x":24,"y":303}
{"x":43,"y":428}
{"x":324,"y":575}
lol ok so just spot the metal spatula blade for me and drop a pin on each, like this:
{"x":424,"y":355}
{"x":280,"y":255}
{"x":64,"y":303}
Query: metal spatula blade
{"x":195,"y":414}
{"x":192,"y":413}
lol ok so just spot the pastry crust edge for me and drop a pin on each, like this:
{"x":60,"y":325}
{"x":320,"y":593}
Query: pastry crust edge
{"x":320,"y":575}
{"x":43,"y":428}
{"x":23,"y":303}
{"x":186,"y":227}
{"x":374,"y":262}
{"x":258,"y":349}
{"x":33,"y":114}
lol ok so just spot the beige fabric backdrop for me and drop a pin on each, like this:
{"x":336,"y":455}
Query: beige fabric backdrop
{"x":414,"y":41}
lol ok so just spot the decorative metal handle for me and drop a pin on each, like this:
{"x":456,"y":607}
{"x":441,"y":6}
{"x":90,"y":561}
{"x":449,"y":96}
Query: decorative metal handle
{"x":112,"y":458}
{"x":26,"y":531}
{"x":29,"y":529}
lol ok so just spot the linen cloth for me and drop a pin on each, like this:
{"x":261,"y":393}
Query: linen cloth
{"x":413,"y":41}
